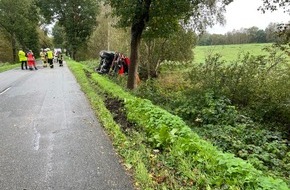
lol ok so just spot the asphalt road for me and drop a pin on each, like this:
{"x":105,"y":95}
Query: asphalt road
{"x":50,"y":138}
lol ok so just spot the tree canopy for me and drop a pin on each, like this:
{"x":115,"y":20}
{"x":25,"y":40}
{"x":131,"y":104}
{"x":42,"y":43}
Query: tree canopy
{"x":274,"y":5}
{"x":283,"y":28}
{"x":19,"y":21}
{"x":162,"y":18}
{"x":77,"y":17}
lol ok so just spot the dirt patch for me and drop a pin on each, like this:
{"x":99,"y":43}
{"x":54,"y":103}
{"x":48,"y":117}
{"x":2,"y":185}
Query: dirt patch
{"x":88,"y":74}
{"x":116,"y":107}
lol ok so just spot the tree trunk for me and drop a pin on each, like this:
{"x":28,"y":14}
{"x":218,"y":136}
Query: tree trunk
{"x":137,"y":28}
{"x":13,"y":45}
{"x":73,"y":52}
{"x":133,"y":68}
{"x":148,"y":48}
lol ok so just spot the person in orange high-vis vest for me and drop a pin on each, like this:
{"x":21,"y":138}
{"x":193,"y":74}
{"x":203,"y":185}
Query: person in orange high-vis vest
{"x":31,"y":60}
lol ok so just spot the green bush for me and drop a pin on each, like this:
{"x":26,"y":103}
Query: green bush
{"x":243,"y":107}
{"x":265,"y":149}
{"x":258,"y":84}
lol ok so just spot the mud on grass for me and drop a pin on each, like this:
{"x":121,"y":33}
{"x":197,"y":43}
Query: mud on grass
{"x":117,"y":109}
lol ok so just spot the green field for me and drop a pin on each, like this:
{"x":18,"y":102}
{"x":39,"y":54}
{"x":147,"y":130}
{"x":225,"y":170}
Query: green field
{"x":228,"y":52}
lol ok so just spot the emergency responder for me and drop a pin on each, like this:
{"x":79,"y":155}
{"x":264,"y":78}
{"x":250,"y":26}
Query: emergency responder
{"x":49,"y":57}
{"x":60,"y":58}
{"x":43,"y":57}
{"x":22,"y":58}
{"x":31,"y":60}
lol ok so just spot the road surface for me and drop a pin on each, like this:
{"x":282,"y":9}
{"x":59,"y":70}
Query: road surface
{"x":50,"y":137}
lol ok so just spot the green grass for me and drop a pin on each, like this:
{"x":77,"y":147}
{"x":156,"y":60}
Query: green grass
{"x":184,"y":162}
{"x":228,"y":52}
{"x":8,"y":66}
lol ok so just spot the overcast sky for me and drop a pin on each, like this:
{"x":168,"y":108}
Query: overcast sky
{"x":244,"y":14}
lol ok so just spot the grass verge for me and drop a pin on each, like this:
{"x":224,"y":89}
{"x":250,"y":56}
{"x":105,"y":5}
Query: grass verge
{"x":8,"y":66}
{"x":160,"y":150}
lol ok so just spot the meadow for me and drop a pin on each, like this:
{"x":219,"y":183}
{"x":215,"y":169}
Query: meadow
{"x":229,"y":52}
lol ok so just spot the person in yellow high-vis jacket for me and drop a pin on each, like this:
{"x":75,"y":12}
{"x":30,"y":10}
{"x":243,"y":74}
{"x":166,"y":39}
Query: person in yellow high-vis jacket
{"x":49,"y":57}
{"x":22,"y":59}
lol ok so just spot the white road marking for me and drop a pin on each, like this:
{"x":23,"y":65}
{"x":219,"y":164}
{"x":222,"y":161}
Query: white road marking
{"x":5,"y":90}
{"x":36,"y":139}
